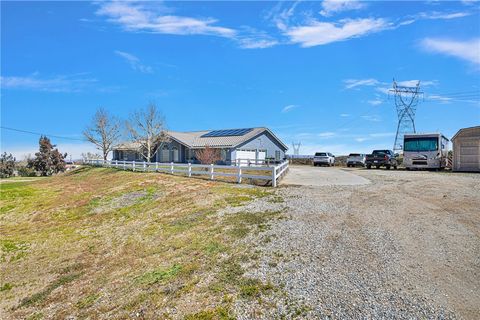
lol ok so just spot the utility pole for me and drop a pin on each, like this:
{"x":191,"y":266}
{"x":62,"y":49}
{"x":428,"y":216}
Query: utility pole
{"x":406,"y":101}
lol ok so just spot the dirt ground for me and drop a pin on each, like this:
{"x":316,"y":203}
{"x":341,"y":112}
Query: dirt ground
{"x":405,"y":245}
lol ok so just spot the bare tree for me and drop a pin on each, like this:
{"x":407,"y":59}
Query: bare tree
{"x":103,"y":132}
{"x":208,"y":155}
{"x":147,"y":127}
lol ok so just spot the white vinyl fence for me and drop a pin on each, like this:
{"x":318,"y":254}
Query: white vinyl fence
{"x":270,"y":173}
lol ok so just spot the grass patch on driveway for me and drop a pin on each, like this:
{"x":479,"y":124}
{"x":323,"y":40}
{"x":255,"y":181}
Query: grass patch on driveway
{"x":105,"y":243}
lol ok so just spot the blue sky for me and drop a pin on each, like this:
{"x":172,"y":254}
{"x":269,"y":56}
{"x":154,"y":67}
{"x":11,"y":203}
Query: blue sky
{"x":315,"y":72}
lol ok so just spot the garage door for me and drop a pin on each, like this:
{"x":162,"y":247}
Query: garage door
{"x":249,"y":157}
{"x":469,"y":155}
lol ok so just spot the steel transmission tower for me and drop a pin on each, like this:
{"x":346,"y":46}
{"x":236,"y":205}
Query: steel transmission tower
{"x":296,"y":148}
{"x":406,"y":101}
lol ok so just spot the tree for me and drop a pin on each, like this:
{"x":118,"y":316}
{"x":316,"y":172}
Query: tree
{"x":208,"y":155}
{"x":147,"y":127}
{"x":103,"y":132}
{"x":7,"y":165}
{"x":48,"y":160}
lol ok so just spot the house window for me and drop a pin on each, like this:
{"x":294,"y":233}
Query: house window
{"x":277,"y":155}
{"x":175,"y":155}
{"x":165,"y":155}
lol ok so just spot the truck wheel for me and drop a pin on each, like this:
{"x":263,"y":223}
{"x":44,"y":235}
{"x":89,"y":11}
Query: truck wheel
{"x":378,"y":167}
{"x":369,"y":166}
{"x":394,"y":167}
{"x":387,"y":167}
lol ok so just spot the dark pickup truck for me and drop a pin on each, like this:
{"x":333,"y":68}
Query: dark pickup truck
{"x":381,"y":158}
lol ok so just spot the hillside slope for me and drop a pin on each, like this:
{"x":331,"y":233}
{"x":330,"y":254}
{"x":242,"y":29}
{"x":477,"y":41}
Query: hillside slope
{"x":101,"y":243}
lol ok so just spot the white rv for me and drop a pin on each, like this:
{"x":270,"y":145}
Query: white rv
{"x":425,"y":151}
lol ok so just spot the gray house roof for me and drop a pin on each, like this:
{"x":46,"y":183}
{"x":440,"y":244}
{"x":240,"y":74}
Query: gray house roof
{"x":128,"y":146}
{"x":196,"y":139}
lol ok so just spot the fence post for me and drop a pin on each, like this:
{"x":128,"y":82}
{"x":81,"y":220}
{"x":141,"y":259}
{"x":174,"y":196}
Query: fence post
{"x":144,"y":166}
{"x":171,"y":167}
{"x":116,"y":163}
{"x":211,"y":171}
{"x":274,"y":176}
{"x":189,"y":169}
{"x":133,"y":165}
{"x":124,"y":165}
{"x":239,"y":174}
{"x":156,"y":166}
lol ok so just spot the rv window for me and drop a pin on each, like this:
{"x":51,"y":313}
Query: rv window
{"x":421,"y":144}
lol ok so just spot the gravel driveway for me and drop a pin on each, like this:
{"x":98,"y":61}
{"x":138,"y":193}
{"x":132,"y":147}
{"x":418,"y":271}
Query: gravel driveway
{"x":321,"y":176}
{"x":406,"y":245}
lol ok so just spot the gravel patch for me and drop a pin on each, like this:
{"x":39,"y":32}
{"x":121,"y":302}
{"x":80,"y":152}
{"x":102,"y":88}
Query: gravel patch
{"x":377,"y":251}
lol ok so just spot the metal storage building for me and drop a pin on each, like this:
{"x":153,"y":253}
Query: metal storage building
{"x":466,"y":149}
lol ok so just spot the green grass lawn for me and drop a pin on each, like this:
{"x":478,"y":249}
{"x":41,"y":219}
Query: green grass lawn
{"x":105,"y":243}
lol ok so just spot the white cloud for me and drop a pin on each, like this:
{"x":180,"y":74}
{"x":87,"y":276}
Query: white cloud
{"x":375,"y":102}
{"x":362,"y":139}
{"x":440,"y":98}
{"x":466,"y":50}
{"x":333,"y":6}
{"x":327,"y":134}
{"x":435,"y":15}
{"x":250,"y":38}
{"x":137,"y":17}
{"x":413,"y":83}
{"x":352,"y":83}
{"x":59,"y":83}
{"x":385,"y":90}
{"x":253,"y":43}
{"x":134,"y":62}
{"x":289,"y":108}
{"x":344,"y":115}
{"x":469,"y":2}
{"x":321,"y":33}
{"x":281,"y":17}
{"x":373,"y":118}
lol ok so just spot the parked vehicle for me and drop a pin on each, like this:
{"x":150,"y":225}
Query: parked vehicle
{"x":425,"y":151}
{"x":382,"y":158}
{"x":324,"y":158}
{"x":356,"y":159}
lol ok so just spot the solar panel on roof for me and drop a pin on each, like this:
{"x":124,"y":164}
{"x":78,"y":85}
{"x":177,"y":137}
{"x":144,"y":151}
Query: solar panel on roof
{"x":227,"y":133}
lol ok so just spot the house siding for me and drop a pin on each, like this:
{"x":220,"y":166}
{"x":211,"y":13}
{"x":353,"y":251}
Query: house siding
{"x":264,"y":141}
{"x":170,"y":146}
{"x":126,"y":155}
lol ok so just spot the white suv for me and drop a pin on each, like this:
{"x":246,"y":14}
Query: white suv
{"x":325,"y":158}
{"x":355,"y":159}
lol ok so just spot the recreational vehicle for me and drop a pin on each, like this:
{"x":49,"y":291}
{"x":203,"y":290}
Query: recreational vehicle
{"x":425,"y":151}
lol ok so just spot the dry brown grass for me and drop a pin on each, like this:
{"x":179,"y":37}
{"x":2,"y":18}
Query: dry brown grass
{"x":105,"y":243}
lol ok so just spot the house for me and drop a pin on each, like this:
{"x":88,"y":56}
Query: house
{"x":466,"y":149}
{"x":248,"y":145}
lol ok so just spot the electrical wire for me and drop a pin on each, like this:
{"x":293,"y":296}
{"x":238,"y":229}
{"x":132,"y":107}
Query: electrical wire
{"x":41,"y":134}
